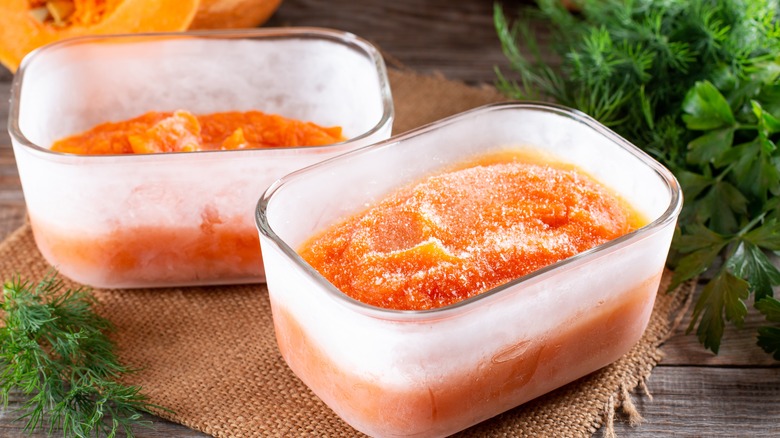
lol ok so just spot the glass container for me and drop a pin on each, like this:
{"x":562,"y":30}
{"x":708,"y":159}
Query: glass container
{"x":435,"y":372}
{"x":150,"y":220}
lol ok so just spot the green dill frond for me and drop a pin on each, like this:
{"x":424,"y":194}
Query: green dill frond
{"x":536,"y":79}
{"x":54,"y":349}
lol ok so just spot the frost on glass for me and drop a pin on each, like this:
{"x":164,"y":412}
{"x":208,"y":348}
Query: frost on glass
{"x":435,"y":372}
{"x":175,"y":200}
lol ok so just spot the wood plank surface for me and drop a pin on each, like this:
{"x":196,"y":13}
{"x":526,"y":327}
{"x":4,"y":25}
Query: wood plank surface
{"x":454,"y":38}
{"x":697,"y":401}
{"x":695,"y":393}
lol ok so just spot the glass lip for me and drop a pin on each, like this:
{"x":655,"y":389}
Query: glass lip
{"x":347,"y":39}
{"x":669,"y":215}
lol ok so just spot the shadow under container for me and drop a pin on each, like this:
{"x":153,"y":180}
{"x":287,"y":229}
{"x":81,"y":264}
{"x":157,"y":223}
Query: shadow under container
{"x":179,"y":218}
{"x":435,"y":372}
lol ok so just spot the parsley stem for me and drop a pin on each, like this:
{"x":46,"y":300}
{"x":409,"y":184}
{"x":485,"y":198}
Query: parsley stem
{"x":751,"y":224}
{"x":725,"y":172}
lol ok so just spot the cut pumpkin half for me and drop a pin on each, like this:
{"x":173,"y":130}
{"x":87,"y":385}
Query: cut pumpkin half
{"x":28,"y":24}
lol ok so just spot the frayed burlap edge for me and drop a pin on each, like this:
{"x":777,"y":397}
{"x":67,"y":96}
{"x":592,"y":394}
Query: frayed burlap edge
{"x":670,"y":309}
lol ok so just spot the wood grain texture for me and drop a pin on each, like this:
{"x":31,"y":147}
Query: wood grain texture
{"x":10,"y":187}
{"x":738,"y":346}
{"x":453,"y":38}
{"x":708,"y":401}
{"x":695,"y":393}
{"x":5,"y":95}
{"x":157,"y":428}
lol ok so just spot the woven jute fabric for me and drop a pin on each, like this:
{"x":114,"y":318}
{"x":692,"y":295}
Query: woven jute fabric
{"x":209,"y":354}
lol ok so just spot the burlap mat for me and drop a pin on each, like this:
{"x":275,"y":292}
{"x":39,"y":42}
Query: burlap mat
{"x":210,"y":355}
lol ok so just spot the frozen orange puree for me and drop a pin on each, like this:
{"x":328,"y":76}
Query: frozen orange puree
{"x":462,"y":232}
{"x":444,"y":404}
{"x":181,"y":131}
{"x":214,"y":245}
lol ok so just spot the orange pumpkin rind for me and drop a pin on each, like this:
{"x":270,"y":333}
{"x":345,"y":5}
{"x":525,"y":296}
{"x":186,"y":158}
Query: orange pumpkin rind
{"x":28,"y":24}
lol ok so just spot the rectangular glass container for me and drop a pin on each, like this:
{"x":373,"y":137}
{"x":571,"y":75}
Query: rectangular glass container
{"x":435,"y":372}
{"x":179,"y":218}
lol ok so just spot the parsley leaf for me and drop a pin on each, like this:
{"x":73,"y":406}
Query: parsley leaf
{"x":700,"y":246}
{"x":723,"y":296}
{"x":749,"y":262}
{"x":706,"y":109}
{"x":770,"y":308}
{"x":769,"y":337}
{"x":722,"y":207}
{"x":769,"y":340}
{"x":710,"y":147}
{"x":766,"y":236}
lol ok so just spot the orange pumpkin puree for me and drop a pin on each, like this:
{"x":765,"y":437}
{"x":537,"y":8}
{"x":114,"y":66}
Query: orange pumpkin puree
{"x":218,"y":246}
{"x":227,"y":249}
{"x":443,"y":405}
{"x":462,"y":232}
{"x":182,"y":131}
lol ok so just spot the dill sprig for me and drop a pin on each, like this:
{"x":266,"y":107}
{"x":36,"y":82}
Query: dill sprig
{"x":55,"y":351}
{"x":695,"y":83}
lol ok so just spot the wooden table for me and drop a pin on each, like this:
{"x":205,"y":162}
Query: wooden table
{"x":695,"y":393}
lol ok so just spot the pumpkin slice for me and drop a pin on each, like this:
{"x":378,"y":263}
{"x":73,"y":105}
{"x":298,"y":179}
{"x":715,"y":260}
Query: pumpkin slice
{"x":28,"y":24}
{"x":223,"y":14}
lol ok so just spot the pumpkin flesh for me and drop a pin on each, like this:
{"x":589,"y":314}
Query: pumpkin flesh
{"x":230,"y":14}
{"x":23,"y":27}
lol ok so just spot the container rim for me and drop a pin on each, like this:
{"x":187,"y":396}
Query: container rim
{"x":347,"y":39}
{"x":669,"y":215}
